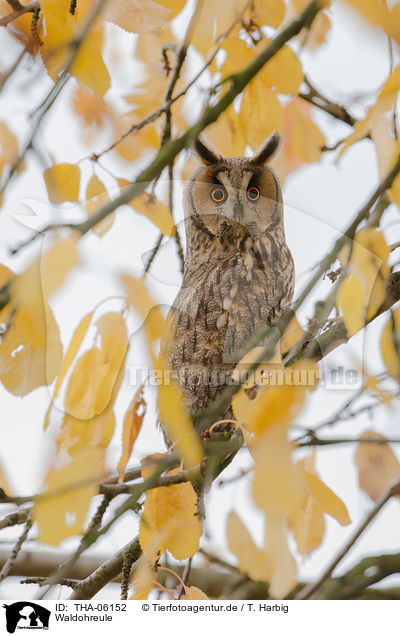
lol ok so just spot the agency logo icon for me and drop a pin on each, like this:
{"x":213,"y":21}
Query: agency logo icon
{"x":26,"y":615}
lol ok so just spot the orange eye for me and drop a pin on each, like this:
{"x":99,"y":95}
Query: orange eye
{"x":253,"y":193}
{"x":218,"y":195}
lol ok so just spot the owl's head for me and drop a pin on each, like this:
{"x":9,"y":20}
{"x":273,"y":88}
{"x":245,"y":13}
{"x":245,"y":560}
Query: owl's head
{"x":239,"y":195}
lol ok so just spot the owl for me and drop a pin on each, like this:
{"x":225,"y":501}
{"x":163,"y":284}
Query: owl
{"x":238,"y":274}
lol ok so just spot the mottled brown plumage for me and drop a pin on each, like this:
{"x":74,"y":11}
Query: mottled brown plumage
{"x":239,"y":272}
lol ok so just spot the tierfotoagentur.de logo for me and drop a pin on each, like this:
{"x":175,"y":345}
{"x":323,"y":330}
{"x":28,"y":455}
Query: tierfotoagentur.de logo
{"x":26,"y":615}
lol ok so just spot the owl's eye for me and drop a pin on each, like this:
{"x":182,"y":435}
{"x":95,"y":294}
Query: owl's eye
{"x":218,"y":194}
{"x":253,"y":193}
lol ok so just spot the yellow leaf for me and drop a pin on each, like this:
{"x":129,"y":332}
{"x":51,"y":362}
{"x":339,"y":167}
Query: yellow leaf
{"x":329,"y":502}
{"x":263,"y":371}
{"x":30,"y":350}
{"x":307,"y":522}
{"x":89,"y":68}
{"x":77,"y":434}
{"x":283,"y":575}
{"x":364,"y":288}
{"x":62,"y":182}
{"x":195,"y":594}
{"x":378,"y":467}
{"x":215,"y":19}
{"x":156,"y":211}
{"x":380,"y":14}
{"x":178,"y":426}
{"x":143,"y":579}
{"x":136,"y":16}
{"x":283,"y":72}
{"x":388,"y":152}
{"x":140,"y":299}
{"x":273,"y":405}
{"x":238,"y":54}
{"x":132,"y":424}
{"x":114,"y":344}
{"x":170,"y":521}
{"x":175,"y":6}
{"x":83,"y":385}
{"x":318,"y":32}
{"x":149,"y":45}
{"x":61,"y":30}
{"x":385,"y":101}
{"x":5,"y":275}
{"x":251,"y":559}
{"x":390,"y":344}
{"x":69,"y":357}
{"x":350,"y":302}
{"x":97,"y":196}
{"x":132,"y":145}
{"x":62,"y":508}
{"x":305,"y":136}
{"x":279,"y":486}
{"x":308,"y":526}
{"x":260,"y":112}
{"x":46,"y":274}
{"x":95,"y":374}
{"x":190,"y":165}
{"x":92,"y":109}
{"x":292,"y":334}
{"x":227,"y":134}
{"x":269,"y":12}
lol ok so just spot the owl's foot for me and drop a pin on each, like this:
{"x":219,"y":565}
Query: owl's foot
{"x":222,"y":426}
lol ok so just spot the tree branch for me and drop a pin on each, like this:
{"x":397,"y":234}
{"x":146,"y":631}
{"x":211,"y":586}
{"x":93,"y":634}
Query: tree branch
{"x":106,"y":572}
{"x":367,"y":572}
{"x":337,"y":334}
{"x":313,"y":440}
{"x":27,"y":8}
{"x":310,"y":590}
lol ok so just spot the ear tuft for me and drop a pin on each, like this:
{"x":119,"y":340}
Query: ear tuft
{"x":206,"y":154}
{"x":267,"y":150}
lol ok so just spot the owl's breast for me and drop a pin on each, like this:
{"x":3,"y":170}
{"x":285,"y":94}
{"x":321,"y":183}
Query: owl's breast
{"x":219,"y":306}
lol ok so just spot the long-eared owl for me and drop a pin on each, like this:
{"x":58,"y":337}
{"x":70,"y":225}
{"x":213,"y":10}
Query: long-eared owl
{"x":238,"y":273}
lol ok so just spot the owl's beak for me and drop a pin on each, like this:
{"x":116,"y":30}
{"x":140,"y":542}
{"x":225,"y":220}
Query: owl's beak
{"x":237,"y":212}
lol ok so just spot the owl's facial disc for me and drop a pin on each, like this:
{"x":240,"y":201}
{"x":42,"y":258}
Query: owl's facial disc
{"x":247,"y":198}
{"x":234,"y":196}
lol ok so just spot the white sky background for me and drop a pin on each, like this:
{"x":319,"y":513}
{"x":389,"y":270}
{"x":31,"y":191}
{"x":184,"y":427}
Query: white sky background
{"x":320,"y":200}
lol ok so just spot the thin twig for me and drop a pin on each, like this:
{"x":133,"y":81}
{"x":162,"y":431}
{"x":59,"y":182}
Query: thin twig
{"x":41,"y":580}
{"x":99,"y":514}
{"x":313,"y":440}
{"x":6,"y":76}
{"x":15,"y":518}
{"x":27,"y":8}
{"x":213,"y":558}
{"x":310,"y":590}
{"x":5,"y":570}
{"x":185,"y":578}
